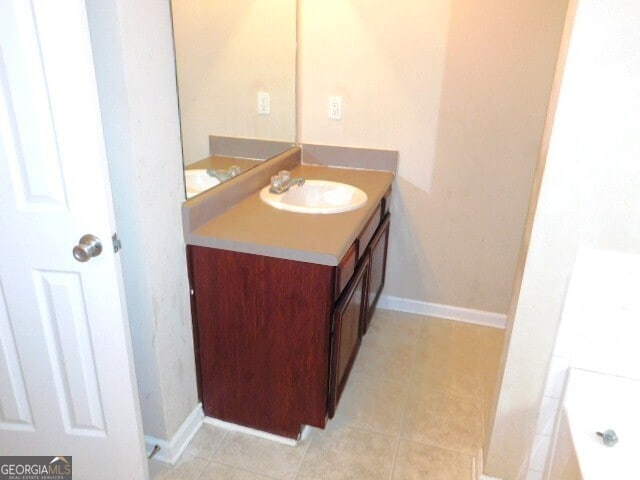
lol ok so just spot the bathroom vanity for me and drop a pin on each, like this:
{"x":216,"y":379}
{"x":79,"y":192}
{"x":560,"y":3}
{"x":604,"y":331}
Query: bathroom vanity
{"x":280,"y":302}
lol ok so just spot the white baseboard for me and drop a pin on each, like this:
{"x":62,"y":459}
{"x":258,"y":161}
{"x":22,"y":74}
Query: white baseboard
{"x":171,"y":450}
{"x":487,"y":477}
{"x":449,"y":312}
{"x":256,"y":433}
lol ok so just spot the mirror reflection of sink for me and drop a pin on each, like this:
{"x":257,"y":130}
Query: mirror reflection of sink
{"x":198,"y":180}
{"x":317,"y":197}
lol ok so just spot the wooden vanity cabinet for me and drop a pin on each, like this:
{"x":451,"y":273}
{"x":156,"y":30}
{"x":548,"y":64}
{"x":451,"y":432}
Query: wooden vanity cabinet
{"x":263,"y":338}
{"x":275,"y":339}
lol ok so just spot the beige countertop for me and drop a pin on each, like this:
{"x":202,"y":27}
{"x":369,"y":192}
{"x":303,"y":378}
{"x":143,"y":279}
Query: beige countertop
{"x":254,"y":227}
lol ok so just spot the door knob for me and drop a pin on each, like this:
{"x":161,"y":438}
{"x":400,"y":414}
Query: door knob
{"x":90,"y":246}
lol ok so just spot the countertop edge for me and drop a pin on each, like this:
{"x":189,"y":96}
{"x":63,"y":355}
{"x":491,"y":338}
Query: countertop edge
{"x":263,"y":250}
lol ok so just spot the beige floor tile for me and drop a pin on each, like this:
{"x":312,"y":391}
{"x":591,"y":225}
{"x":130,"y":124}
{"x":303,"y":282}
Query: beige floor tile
{"x":489,"y":386}
{"x":439,"y":335}
{"x":348,"y":453}
{"x":374,"y":403}
{"x":450,"y":371}
{"x":217,"y":471}
{"x":386,"y":354}
{"x":387,"y":322}
{"x":491,"y":358}
{"x":443,"y":420}
{"x":489,"y":380}
{"x":157,"y":469}
{"x":420,"y":462}
{"x":260,"y":455}
{"x":206,"y":441}
{"x":486,"y":415}
{"x":492,"y":344}
{"x":450,"y":358}
{"x":187,"y":468}
{"x":491,"y":361}
{"x":437,"y":323}
{"x":493,"y":341}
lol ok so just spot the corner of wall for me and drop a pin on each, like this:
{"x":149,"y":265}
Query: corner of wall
{"x":136,"y":84}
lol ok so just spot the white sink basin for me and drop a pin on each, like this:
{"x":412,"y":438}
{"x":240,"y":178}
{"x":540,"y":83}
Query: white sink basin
{"x":198,"y":180}
{"x":316,"y":196}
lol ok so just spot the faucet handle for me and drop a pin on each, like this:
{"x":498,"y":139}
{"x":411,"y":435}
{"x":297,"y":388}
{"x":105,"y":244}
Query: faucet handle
{"x":281,"y":178}
{"x":277,"y":181}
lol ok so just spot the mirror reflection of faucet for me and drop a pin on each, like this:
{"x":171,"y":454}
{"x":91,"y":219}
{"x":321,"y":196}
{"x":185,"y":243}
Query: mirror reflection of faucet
{"x":282,"y":182}
{"x":223,"y":175}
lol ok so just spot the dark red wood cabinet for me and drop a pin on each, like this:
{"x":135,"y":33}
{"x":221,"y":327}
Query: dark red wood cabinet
{"x":377,"y":253}
{"x":346,"y":332}
{"x":275,"y":339}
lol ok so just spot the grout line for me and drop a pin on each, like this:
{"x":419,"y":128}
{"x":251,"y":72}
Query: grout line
{"x":213,"y":453}
{"x":477,"y":401}
{"x":304,"y":455}
{"x":206,"y":467}
{"x":440,"y":447}
{"x":474,"y":474}
{"x":371,"y":430}
{"x":373,"y":376}
{"x":395,"y":457}
{"x":458,"y":396}
{"x":260,"y":472}
{"x":202,"y":470}
{"x":224,"y":438}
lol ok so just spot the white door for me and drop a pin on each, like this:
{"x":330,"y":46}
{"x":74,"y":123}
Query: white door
{"x":67,"y":386}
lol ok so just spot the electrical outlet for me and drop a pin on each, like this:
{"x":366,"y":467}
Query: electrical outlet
{"x":335,"y":108}
{"x":264,"y":103}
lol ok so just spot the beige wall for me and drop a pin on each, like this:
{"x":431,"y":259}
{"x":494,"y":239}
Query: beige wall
{"x":460,"y":88}
{"x":227,"y":52}
{"x":589,"y":196}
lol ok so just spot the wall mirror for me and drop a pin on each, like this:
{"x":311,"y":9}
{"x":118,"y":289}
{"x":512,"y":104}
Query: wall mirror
{"x":236,"y":74}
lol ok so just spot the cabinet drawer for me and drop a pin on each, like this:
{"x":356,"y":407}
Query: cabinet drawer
{"x":368,"y":231}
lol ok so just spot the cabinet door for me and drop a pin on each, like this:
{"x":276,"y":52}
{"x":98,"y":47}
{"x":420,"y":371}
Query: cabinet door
{"x":378,"y":268}
{"x":346,"y":333}
{"x":262,"y":339}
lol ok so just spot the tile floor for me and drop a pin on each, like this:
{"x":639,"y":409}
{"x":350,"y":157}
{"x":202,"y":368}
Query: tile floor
{"x":414,"y":408}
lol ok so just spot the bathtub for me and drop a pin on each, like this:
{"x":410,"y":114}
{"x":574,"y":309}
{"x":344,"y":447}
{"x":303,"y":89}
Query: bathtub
{"x":594,"y":402}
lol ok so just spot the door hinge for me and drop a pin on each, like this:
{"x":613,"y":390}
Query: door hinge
{"x":117,"y":244}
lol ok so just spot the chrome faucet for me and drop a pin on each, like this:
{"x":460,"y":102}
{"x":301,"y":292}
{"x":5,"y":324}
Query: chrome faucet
{"x":223,"y":175}
{"x":282,"y":182}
